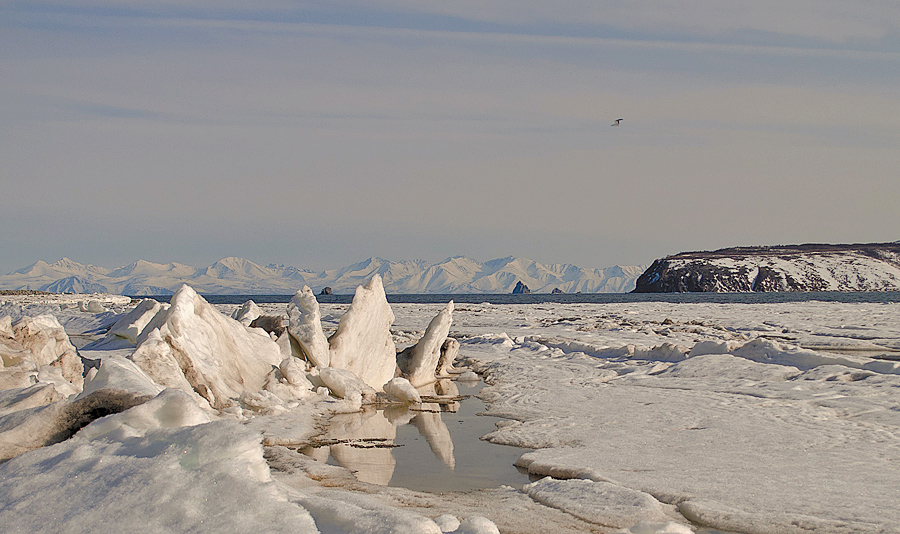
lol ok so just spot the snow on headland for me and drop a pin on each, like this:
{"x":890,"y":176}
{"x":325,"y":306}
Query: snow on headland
{"x":644,"y":417}
{"x":811,"y":267}
{"x":243,"y":277}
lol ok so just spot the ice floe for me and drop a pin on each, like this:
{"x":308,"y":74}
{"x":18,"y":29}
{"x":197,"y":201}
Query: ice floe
{"x":648,"y":417}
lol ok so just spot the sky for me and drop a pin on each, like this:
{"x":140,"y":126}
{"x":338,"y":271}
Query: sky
{"x":317,"y":134}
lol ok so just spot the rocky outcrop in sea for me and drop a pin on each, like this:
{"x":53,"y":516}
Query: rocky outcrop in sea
{"x":521,"y":289}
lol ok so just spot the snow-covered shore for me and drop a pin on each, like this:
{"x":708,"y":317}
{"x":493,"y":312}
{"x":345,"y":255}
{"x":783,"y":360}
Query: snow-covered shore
{"x":748,"y":418}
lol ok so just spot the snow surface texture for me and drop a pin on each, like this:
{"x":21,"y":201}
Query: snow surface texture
{"x":772,"y":437}
{"x":745,"y":418}
{"x":238,"y":276}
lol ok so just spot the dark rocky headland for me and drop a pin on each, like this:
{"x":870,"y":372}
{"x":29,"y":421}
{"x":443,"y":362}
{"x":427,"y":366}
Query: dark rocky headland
{"x":808,"y":267}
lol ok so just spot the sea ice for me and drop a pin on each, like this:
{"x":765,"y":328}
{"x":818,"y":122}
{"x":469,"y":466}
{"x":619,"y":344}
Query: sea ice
{"x":338,"y":512}
{"x":651,"y":527}
{"x":447,"y":522}
{"x":647,"y":415}
{"x":305,"y":328}
{"x":401,"y":390}
{"x":600,"y":502}
{"x":346,"y":385}
{"x":155,"y":357}
{"x":419,"y":363}
{"x":172,"y":408}
{"x":32,"y":428}
{"x":130,"y":325}
{"x":118,"y":373}
{"x":362,"y":343}
{"x":246,"y":313}
{"x":205,"y":478}
{"x":16,"y":399}
{"x":747,"y":441}
{"x":449,"y":353}
{"x":218,"y":356}
{"x":43,"y":341}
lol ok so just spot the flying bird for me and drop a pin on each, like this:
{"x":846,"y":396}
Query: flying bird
{"x":617,"y":122}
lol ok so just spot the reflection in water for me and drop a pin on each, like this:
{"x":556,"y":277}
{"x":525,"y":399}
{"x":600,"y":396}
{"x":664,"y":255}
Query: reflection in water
{"x":386,"y":446}
{"x":432,"y":428}
{"x":371,"y":463}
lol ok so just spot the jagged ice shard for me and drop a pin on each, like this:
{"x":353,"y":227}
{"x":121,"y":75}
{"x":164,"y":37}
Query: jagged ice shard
{"x":308,"y":341}
{"x":218,"y":356}
{"x":246,"y":313}
{"x":45,"y":342}
{"x":362,"y":343}
{"x":134,"y":322}
{"x":419,"y":362}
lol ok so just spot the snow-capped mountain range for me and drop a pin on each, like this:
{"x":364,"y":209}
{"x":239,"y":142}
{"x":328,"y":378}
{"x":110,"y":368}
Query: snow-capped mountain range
{"x":809,"y":267}
{"x":242,"y":276}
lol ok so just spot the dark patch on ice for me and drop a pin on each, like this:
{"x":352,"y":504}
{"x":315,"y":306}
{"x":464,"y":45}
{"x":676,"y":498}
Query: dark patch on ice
{"x":272,"y":324}
{"x":82,"y":412}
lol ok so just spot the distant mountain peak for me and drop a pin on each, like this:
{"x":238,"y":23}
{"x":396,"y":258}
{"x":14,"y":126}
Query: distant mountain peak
{"x":39,"y":265}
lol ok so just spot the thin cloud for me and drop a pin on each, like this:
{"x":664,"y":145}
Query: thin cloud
{"x":829,"y":21}
{"x":688,"y":42}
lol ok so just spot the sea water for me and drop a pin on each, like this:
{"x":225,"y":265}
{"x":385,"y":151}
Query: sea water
{"x":584,"y":298}
{"x":435,"y":448}
{"x":478,"y":464}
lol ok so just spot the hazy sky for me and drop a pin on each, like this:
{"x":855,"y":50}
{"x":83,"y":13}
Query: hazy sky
{"x":317,"y":134}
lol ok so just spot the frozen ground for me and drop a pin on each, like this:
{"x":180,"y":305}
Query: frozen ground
{"x":744,"y":418}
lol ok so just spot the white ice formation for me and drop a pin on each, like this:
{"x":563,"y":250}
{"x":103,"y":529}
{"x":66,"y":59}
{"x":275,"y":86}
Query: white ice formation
{"x":305,"y":328}
{"x":362,"y":343}
{"x":216,"y":355}
{"x":246,"y":313}
{"x":346,"y":385}
{"x":646,"y":414}
{"x":38,"y":416}
{"x":449,"y":352}
{"x":420,"y":362}
{"x":40,"y":341}
{"x":205,"y":478}
{"x":130,"y":325}
{"x":401,"y":390}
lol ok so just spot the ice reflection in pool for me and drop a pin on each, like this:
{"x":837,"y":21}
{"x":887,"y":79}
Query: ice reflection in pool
{"x":434,"y":450}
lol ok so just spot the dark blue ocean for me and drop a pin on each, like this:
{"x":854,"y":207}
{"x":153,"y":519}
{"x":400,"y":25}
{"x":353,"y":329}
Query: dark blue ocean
{"x":594,"y":298}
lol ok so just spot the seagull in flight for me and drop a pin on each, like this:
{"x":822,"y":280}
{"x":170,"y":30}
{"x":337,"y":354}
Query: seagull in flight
{"x":617,"y":122}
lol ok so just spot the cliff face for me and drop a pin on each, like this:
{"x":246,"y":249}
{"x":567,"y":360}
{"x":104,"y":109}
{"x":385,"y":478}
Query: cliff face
{"x":812,"y":267}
